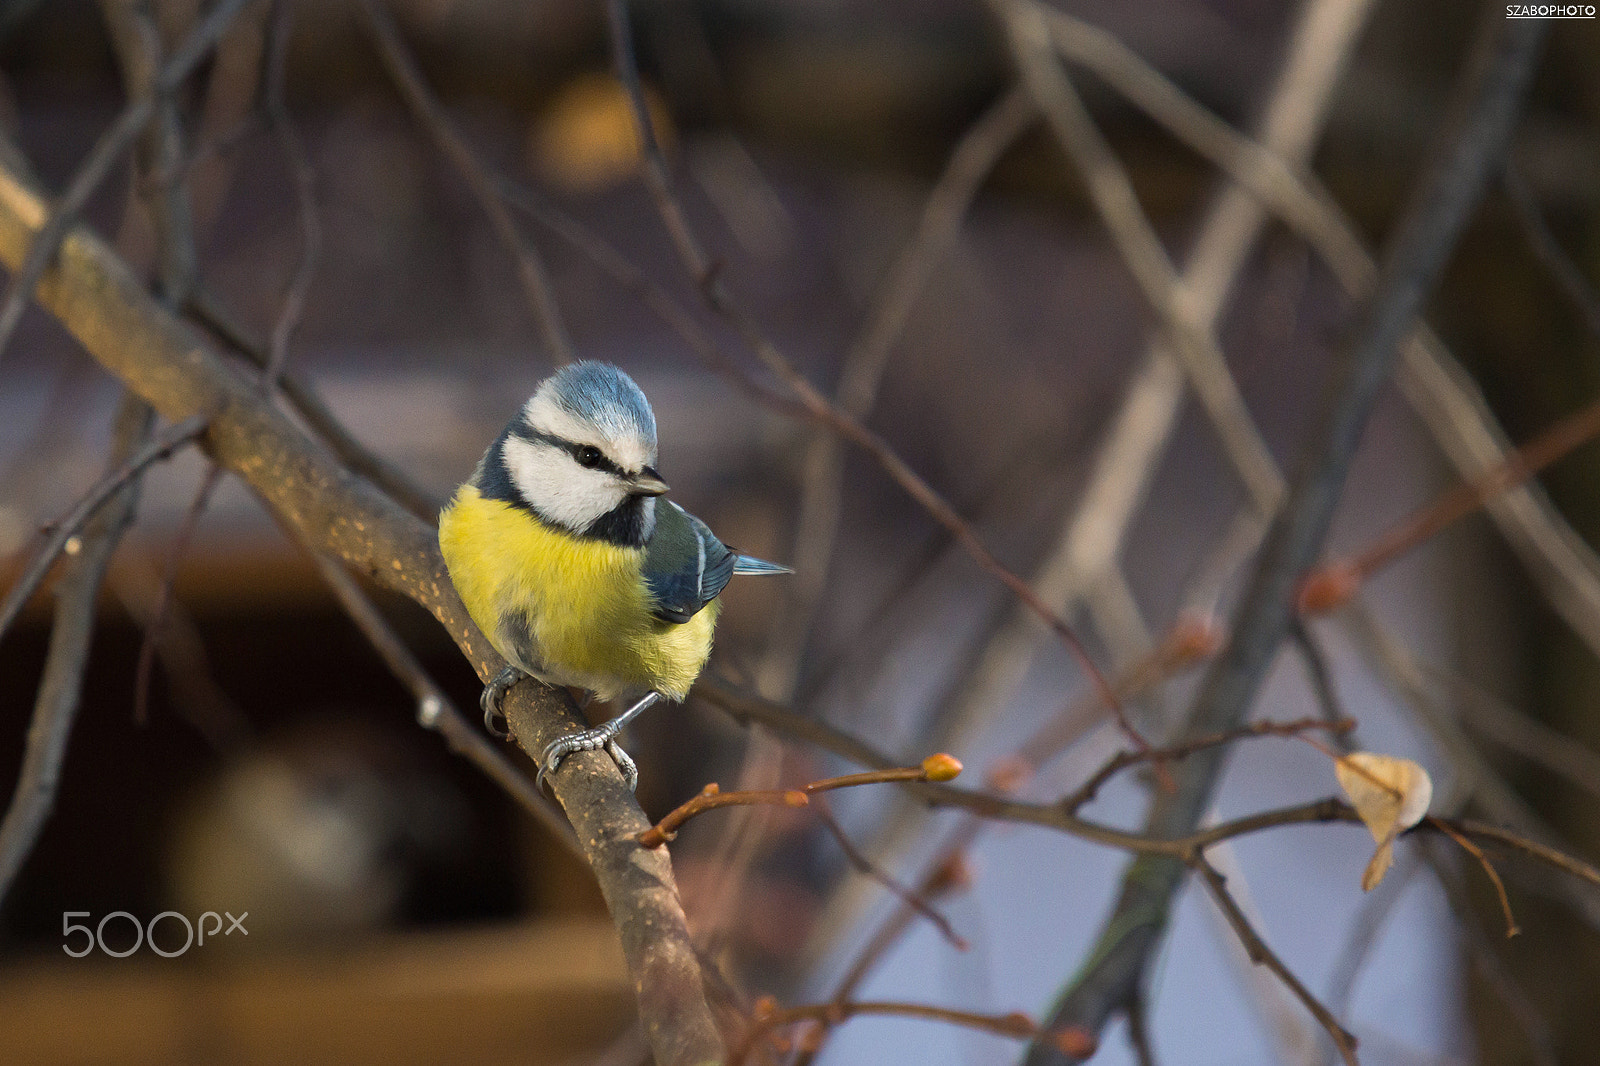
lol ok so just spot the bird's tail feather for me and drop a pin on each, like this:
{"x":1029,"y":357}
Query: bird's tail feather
{"x":749,"y":564}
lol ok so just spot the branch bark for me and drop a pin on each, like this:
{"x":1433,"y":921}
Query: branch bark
{"x":120,"y":325}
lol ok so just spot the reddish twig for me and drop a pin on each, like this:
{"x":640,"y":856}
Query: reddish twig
{"x":1476,"y":852}
{"x":910,"y":899}
{"x":769,"y":1016}
{"x":709,"y":799}
{"x":937,"y":767}
{"x":1332,"y":585}
{"x":706,"y":273}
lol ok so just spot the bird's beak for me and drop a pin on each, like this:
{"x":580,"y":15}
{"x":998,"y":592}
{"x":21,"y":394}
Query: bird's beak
{"x":648,"y":483}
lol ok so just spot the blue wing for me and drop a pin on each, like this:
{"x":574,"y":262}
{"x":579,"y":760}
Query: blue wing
{"x":685,"y":565}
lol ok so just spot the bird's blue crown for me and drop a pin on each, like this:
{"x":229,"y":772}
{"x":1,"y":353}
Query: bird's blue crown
{"x":604,"y":396}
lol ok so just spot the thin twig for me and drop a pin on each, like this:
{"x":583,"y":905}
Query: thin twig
{"x":102,"y":158}
{"x":711,"y":798}
{"x":1544,"y":853}
{"x":192,"y":688}
{"x":1440,"y":205}
{"x":1175,"y":752}
{"x":435,"y":710}
{"x":939,"y":767}
{"x":1568,"y":275}
{"x":430,"y":113}
{"x":1560,"y":561}
{"x":1320,"y":673}
{"x":155,"y":628}
{"x":60,"y":687}
{"x":1016,"y":1025}
{"x":909,"y":898}
{"x":64,"y":529}
{"x":1262,"y":955}
{"x":208,"y":308}
{"x":1488,"y":868}
{"x":705,"y":272}
{"x":1333,"y":583}
{"x":1486,"y":960}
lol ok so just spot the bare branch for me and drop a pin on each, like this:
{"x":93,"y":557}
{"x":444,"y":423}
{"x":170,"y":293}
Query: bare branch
{"x":435,"y":710}
{"x":1174,"y":752}
{"x":1438,"y":210}
{"x":56,"y":706}
{"x":1262,"y":955}
{"x":97,"y":299}
{"x":702,"y":270}
{"x":1140,"y":248}
{"x":64,"y":529}
{"x":428,"y":111}
{"x":209,"y":310}
{"x":53,"y":229}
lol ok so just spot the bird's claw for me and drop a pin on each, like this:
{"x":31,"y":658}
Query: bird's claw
{"x":493,"y":693}
{"x":588,"y":740}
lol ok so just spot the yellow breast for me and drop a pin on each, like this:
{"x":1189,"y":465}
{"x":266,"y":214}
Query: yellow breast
{"x":584,"y":603}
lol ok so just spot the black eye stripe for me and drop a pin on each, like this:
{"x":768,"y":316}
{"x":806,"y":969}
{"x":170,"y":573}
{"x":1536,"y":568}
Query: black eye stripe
{"x":579,"y":452}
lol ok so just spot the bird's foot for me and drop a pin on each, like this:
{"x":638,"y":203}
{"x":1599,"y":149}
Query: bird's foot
{"x":604,"y":736}
{"x":493,"y":693}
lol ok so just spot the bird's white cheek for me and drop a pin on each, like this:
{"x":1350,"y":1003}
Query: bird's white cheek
{"x":559,"y":489}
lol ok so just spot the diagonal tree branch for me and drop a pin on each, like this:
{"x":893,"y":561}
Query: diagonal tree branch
{"x":100,"y":302}
{"x":1561,"y":562}
{"x":1439,"y":209}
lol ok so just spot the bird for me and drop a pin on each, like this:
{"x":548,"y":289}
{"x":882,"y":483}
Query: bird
{"x":575,"y":565}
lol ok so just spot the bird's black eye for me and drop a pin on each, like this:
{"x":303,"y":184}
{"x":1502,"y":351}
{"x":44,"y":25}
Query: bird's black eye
{"x":587,"y":455}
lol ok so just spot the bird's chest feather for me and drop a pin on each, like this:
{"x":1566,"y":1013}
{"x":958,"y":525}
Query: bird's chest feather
{"x":583,"y":603}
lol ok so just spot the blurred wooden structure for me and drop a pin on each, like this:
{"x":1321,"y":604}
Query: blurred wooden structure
{"x":542,"y":992}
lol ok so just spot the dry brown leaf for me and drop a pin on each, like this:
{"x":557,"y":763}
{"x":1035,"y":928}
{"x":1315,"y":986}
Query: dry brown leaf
{"x":1391,"y":795}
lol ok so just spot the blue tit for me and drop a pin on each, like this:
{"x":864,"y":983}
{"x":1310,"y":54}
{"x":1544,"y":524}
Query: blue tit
{"x":573,"y":564}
